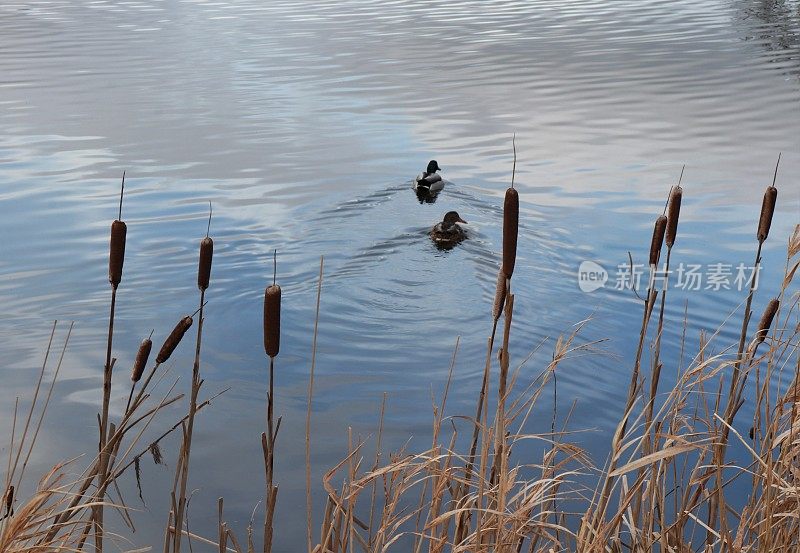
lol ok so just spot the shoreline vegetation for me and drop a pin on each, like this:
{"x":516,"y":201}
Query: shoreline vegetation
{"x":670,"y":482}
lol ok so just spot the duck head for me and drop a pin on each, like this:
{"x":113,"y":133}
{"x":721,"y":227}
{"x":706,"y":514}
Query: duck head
{"x":433,"y":166}
{"x":450,"y":219}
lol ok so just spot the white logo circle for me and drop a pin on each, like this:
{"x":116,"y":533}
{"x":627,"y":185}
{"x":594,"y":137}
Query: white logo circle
{"x":591,"y":276}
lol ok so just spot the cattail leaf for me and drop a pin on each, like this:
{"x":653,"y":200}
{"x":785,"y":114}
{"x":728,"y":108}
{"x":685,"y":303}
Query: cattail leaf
{"x":510,"y":230}
{"x":116,"y":257}
{"x":673,"y":214}
{"x":204,"y":266}
{"x":767,"y":211}
{"x":272,"y":320}
{"x":658,"y":239}
{"x":174,"y":339}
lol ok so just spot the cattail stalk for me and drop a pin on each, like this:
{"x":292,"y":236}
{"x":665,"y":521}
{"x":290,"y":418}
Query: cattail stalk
{"x":671,"y":232}
{"x":736,"y":387}
{"x":116,"y":259}
{"x":203,"y":279}
{"x":502,"y":292}
{"x":764,"y":223}
{"x":272,"y":338}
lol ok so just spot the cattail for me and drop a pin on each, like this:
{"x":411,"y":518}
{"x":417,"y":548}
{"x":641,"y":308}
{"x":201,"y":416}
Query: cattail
{"x":766,"y":319}
{"x":499,"y":294}
{"x":658,"y":239}
{"x":117,"y":256}
{"x":767,"y":210}
{"x":204,"y":268}
{"x":141,"y":359}
{"x":272,"y":320}
{"x":673,"y":214}
{"x":174,"y":339}
{"x":510,"y":229}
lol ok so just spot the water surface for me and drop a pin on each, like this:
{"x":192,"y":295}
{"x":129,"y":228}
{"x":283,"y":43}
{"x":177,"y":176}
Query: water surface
{"x":303,"y":124}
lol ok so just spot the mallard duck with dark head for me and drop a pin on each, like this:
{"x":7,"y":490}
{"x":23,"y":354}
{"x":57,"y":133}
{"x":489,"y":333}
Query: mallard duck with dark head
{"x":429,"y":180}
{"x":447,"y":233}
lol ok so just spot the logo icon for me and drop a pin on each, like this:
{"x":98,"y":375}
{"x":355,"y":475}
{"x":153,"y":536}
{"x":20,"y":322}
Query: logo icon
{"x":591,"y":276}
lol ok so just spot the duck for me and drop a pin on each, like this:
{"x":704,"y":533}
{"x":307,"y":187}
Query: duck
{"x":447,"y":233}
{"x":429,"y":180}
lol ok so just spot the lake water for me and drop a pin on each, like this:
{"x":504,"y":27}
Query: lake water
{"x":303,"y":124}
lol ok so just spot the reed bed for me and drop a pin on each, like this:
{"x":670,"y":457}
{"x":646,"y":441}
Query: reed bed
{"x":677,"y":459}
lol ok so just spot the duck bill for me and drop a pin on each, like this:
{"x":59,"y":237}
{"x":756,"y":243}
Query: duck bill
{"x":460,"y":220}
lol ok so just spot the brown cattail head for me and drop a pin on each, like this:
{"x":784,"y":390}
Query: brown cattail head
{"x":174,"y":339}
{"x":204,"y":268}
{"x":272,"y":320}
{"x":141,"y":359}
{"x":658,"y":239}
{"x":499,"y":294}
{"x":117,"y":256}
{"x":767,"y":210}
{"x":766,"y":319}
{"x":673,"y":214}
{"x":510,"y":229}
